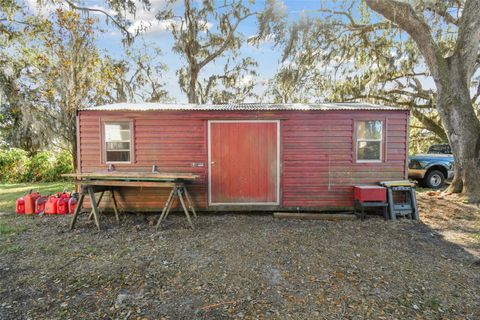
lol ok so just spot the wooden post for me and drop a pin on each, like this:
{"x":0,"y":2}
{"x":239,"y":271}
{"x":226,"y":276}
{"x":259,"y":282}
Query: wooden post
{"x":112,"y":191}
{"x":393,"y":215}
{"x":180,"y":196}
{"x":169,"y":207}
{"x":94,"y":206}
{"x":415,"y":215}
{"x":98,"y":203}
{"x":77,"y":209}
{"x":190,"y":201}
{"x":165,"y":208}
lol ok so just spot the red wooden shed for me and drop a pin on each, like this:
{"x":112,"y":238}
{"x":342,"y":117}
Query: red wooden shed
{"x":248,"y":156}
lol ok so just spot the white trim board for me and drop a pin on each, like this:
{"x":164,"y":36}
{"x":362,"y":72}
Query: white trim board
{"x":209,"y":145}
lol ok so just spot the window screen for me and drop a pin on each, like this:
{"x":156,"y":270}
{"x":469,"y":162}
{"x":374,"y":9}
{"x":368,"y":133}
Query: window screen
{"x":117,"y":141}
{"x":369,"y":140}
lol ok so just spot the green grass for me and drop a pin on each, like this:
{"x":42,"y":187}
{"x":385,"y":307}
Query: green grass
{"x":6,"y":229}
{"x":9,"y":193}
{"x":9,"y":248}
{"x":433,"y":303}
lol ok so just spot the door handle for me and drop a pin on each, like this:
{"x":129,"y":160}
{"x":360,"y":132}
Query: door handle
{"x":213,"y":162}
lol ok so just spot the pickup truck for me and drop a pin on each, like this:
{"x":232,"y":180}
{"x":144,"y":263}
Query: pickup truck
{"x":433,"y":168}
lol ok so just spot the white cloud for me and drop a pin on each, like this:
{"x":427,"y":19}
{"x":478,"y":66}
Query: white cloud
{"x":107,"y":10}
{"x":43,"y":10}
{"x":288,"y":63}
{"x":144,"y":20}
{"x":150,"y":26}
{"x":246,"y":80}
{"x":269,"y":39}
{"x":48,"y":8}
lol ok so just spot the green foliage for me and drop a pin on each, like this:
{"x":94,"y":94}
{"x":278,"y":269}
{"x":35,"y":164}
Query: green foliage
{"x":13,"y":165}
{"x":40,"y":165}
{"x":46,"y":166}
{"x":420,"y":139}
{"x":46,"y":75}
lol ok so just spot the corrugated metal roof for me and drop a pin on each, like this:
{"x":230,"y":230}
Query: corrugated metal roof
{"x":239,"y":107}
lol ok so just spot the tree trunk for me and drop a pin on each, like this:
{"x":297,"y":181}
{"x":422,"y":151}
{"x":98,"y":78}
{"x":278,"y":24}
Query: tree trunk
{"x":452,"y":76}
{"x":192,"y":85}
{"x":463,"y":129}
{"x":74,"y":155}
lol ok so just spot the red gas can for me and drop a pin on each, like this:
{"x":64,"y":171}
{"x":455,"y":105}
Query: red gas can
{"x":30,"y":199}
{"x":40,"y":205}
{"x":62,"y":205}
{"x":72,"y":205}
{"x":51,"y":205}
{"x":63,"y":195}
{"x":20,"y":206}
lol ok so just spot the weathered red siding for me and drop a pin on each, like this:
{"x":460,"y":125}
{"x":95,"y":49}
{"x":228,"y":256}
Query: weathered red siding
{"x":318,"y":167}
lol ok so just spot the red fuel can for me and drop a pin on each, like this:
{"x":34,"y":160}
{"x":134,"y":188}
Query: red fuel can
{"x":62,"y":205}
{"x":20,"y":206}
{"x":72,"y":205}
{"x":63,"y":195}
{"x":40,"y":204}
{"x":51,"y":205}
{"x":30,"y":199}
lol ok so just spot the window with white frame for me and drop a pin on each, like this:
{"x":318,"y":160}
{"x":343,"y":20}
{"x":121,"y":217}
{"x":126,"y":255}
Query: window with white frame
{"x":118,"y":140}
{"x":369,"y":140}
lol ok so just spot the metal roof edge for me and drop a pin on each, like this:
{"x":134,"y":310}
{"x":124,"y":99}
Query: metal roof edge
{"x":331,"y":106}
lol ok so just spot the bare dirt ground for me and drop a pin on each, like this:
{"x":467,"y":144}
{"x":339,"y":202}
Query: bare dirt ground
{"x":244,"y":266}
{"x":456,"y":221}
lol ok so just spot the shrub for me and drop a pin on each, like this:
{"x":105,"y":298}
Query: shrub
{"x":40,"y":167}
{"x":46,"y":166}
{"x":63,"y":164}
{"x":13,"y":165}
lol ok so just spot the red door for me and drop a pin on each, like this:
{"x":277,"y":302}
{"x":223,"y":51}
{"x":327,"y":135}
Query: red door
{"x":243,"y":162}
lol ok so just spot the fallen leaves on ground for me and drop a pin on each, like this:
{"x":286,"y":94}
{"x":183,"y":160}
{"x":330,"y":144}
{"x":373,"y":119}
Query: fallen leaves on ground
{"x":246,"y":266}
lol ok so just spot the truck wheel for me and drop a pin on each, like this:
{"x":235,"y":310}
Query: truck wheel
{"x":434,"y":179}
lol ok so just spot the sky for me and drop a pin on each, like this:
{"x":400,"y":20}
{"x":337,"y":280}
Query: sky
{"x":156,"y":33}
{"x":267,"y":57}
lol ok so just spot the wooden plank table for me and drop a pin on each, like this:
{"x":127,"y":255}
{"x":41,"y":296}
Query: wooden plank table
{"x":125,"y":175}
{"x":95,"y":182}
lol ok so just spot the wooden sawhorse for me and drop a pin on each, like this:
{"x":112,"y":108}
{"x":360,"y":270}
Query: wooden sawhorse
{"x":90,"y":187}
{"x":178,"y":190}
{"x":90,"y":190}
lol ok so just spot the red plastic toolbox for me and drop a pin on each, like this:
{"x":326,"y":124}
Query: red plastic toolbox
{"x":370,"y":193}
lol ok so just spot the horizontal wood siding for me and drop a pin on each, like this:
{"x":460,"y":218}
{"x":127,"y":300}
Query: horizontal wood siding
{"x":169,"y":141}
{"x":318,"y":167}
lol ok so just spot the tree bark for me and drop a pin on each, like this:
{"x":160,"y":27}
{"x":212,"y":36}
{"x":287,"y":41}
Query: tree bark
{"x":463,"y":129}
{"x":452,"y":76}
{"x":74,"y":156}
{"x":192,"y":85}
